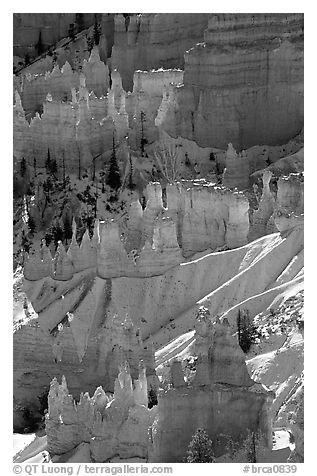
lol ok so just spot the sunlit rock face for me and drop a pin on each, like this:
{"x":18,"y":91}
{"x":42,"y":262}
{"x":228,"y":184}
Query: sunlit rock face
{"x":265,"y":209}
{"x":113,"y":425}
{"x":207,"y":216}
{"x":244,"y":83}
{"x":154,"y":40}
{"x":289,"y":206}
{"x":221,"y":398}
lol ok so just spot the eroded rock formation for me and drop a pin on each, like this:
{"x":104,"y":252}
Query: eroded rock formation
{"x":114,"y":426}
{"x":28,"y":27}
{"x":222,"y":398}
{"x":244,"y":83}
{"x":154,"y":40}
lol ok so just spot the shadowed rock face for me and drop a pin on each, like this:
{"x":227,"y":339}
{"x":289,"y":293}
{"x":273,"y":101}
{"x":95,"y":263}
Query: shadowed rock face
{"x":154,"y":40}
{"x":222,"y":398}
{"x":227,"y":405}
{"x":244,"y":84}
{"x":52,"y":26}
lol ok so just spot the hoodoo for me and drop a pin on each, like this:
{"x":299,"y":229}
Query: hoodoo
{"x":158,"y":237}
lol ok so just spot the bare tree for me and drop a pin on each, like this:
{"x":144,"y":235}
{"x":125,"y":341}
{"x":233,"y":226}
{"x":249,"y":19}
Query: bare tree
{"x":168,"y":160}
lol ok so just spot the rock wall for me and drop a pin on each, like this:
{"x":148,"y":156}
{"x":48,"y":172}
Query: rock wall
{"x":228,"y":404}
{"x":154,"y":40}
{"x":27,"y":28}
{"x":33,"y":88}
{"x":114,"y":426}
{"x":244,"y":83}
{"x":264,"y":212}
{"x":221,"y":398}
{"x":198,"y":217}
{"x":87,"y":347}
{"x":149,"y":89}
{"x":208,"y":216}
{"x":163,"y":307}
{"x":289,"y":206}
{"x":67,"y":129}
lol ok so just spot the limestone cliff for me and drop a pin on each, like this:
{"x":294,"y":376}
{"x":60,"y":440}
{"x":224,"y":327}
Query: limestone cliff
{"x":154,"y":40}
{"x":28,"y":27}
{"x":71,"y":314}
{"x":244,"y":83}
{"x":60,"y":81}
{"x":222,"y":398}
{"x":112,"y":425}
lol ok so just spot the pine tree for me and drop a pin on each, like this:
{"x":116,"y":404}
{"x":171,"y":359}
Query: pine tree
{"x":143,"y":139}
{"x":71,"y":31}
{"x":58,"y":234}
{"x":25,"y":243}
{"x":64,"y":175}
{"x":48,"y":161}
{"x":34,"y":165}
{"x":39,"y":46}
{"x":113,"y":179}
{"x":53,"y":167}
{"x":96,"y":33}
{"x":90,"y":43}
{"x":200,"y":448}
{"x":247,"y":331}
{"x":23,"y":167}
{"x":31,"y":224}
{"x":152,"y":398}
{"x":68,"y":231}
{"x":131,"y":185}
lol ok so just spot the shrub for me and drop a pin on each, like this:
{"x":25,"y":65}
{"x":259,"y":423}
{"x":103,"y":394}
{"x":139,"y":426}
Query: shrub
{"x":200,"y":448}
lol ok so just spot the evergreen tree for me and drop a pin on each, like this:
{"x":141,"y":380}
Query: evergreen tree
{"x":143,"y":139}
{"x":247,"y":331}
{"x":152,"y":398}
{"x":31,"y":224}
{"x":96,"y":33}
{"x":27,"y":59}
{"x":218,"y":172}
{"x":34,"y":165}
{"x":25,"y":243}
{"x":131,"y":185}
{"x":58,"y":234}
{"x":64,"y":175}
{"x":71,"y":31}
{"x":48,"y":161}
{"x":79,"y":164}
{"x":53,"y":167}
{"x":23,"y":167}
{"x":68,"y":231}
{"x":187,"y":161}
{"x":200,"y":448}
{"x":113,"y":179}
{"x":90,"y":43}
{"x":39,"y":46}
{"x":54,"y":58}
